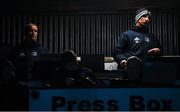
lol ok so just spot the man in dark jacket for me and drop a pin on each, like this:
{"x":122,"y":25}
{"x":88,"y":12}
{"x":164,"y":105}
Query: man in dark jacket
{"x":30,"y":42}
{"x":134,"y":45}
{"x":24,"y":53}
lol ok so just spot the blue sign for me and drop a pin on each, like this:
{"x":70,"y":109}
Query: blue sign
{"x":105,"y":99}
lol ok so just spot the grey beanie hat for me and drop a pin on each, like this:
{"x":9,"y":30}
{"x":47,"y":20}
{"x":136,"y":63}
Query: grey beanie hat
{"x":140,"y":12}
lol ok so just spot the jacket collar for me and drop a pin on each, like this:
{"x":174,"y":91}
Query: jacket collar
{"x":142,"y":29}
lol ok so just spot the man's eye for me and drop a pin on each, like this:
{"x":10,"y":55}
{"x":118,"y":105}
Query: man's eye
{"x":34,"y":30}
{"x":145,"y":16}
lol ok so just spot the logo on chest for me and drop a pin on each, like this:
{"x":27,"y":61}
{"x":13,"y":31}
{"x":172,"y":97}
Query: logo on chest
{"x":147,"y":39}
{"x":136,"y":40}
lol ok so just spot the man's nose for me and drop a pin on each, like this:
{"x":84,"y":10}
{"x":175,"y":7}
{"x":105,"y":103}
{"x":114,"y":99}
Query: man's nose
{"x":147,"y":18}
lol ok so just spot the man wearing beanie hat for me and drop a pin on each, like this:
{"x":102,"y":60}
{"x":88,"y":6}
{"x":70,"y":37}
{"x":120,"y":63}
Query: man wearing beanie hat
{"x":134,"y":45}
{"x":140,"y":13}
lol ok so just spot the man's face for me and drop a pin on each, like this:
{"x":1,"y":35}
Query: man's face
{"x":143,"y":21}
{"x":32,"y":33}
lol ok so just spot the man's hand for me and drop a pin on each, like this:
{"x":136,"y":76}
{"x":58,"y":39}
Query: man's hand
{"x":153,"y":51}
{"x":123,"y":63}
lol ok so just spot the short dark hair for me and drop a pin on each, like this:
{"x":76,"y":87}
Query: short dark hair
{"x":28,"y":27}
{"x":69,"y":56}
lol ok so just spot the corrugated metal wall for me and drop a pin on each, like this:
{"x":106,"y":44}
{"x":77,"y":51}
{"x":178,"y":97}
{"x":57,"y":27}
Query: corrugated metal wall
{"x":89,"y":33}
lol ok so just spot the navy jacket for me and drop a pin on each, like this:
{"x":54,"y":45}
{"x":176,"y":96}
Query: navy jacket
{"x":134,"y":42}
{"x":34,"y":47}
{"x":22,"y":56}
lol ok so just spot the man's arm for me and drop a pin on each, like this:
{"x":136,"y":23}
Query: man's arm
{"x":119,"y":53}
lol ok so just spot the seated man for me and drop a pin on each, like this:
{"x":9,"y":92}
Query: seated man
{"x":134,"y":45}
{"x":22,"y":54}
{"x":72,"y":73}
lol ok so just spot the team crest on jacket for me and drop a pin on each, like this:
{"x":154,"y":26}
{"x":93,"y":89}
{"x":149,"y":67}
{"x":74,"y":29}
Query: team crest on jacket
{"x":136,"y":40}
{"x":147,"y":39}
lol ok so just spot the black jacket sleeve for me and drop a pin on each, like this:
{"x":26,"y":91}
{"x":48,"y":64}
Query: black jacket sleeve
{"x":155,"y":44}
{"x":121,"y":47}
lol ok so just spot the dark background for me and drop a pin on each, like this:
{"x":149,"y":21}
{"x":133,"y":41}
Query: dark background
{"x":87,"y":26}
{"x":59,"y":5}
